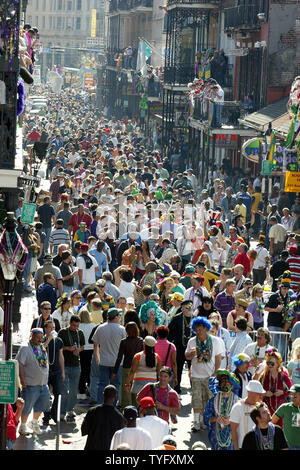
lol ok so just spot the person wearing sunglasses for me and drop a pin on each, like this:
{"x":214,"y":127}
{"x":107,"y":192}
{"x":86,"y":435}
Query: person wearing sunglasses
{"x":275,"y":380}
{"x":289,"y":413}
{"x":40,"y":321}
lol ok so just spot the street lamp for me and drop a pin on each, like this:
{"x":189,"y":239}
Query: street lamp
{"x":13,"y":259}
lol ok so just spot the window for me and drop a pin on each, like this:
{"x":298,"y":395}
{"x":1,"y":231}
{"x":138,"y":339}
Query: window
{"x":36,"y":4}
{"x":78,"y":22}
{"x":59,"y":22}
{"x":69,"y":5}
{"x":78,"y":5}
{"x":44,"y":5}
{"x":50,"y":22}
{"x":36,"y":22}
{"x":69,"y":23}
{"x":87,"y":23}
{"x":43,"y":22}
{"x":59,"y":4}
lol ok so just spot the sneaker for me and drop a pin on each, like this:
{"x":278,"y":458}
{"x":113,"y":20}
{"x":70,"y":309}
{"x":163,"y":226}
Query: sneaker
{"x":35,"y":427}
{"x":195,"y":426}
{"x":24,"y":430}
{"x":174,"y":419}
{"x":203,"y":427}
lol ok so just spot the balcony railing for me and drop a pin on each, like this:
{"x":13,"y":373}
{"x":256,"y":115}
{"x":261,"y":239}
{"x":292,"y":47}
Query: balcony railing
{"x":174,"y":2}
{"x":179,"y":75}
{"x":127,"y":5}
{"x":207,"y":113}
{"x":243,"y":17}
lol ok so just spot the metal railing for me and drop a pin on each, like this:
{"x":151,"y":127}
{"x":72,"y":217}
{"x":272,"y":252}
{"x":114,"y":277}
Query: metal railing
{"x":242,"y":17}
{"x":127,"y":5}
{"x":179,"y":75}
{"x":173,"y":2}
{"x":206,"y":112}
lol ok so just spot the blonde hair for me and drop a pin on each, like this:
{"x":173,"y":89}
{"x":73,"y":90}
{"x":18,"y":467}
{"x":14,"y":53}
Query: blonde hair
{"x":295,"y":349}
{"x":161,"y":285}
{"x":207,"y":263}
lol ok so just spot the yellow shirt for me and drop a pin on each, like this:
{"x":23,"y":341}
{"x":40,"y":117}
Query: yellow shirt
{"x":241,"y":209}
{"x":257,"y":199}
{"x":210,"y":278}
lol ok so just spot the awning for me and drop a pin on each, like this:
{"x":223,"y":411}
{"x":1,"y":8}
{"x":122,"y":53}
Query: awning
{"x":260,"y":119}
{"x":281,"y":125}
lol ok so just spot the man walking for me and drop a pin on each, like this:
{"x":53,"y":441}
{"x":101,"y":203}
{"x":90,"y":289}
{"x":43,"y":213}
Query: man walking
{"x":102,"y":421}
{"x":106,"y":339}
{"x":33,"y":373}
{"x":73,"y":343}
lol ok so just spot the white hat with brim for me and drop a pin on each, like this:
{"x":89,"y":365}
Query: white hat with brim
{"x":255,"y":386}
{"x":150,"y":341}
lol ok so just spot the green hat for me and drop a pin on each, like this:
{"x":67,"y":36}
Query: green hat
{"x":168,"y":195}
{"x":158,"y":195}
{"x":134,"y":191}
{"x":113,"y":313}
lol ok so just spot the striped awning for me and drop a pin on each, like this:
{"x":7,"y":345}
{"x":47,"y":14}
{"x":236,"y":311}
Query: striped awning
{"x":271,"y":113}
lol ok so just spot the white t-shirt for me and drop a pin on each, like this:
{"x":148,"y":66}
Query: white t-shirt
{"x":250,"y":349}
{"x":157,"y":428}
{"x":136,"y":438}
{"x":88,"y":275}
{"x":223,"y":353}
{"x":240,"y":414}
{"x":277,"y":232}
{"x":260,"y":261}
{"x":86,"y":328}
{"x":201,"y":370}
{"x":126,"y":289}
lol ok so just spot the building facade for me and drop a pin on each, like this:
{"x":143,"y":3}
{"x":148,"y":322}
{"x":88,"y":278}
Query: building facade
{"x":68,"y":29}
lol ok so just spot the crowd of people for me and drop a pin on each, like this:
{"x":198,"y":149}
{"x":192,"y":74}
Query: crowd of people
{"x":138,"y":274}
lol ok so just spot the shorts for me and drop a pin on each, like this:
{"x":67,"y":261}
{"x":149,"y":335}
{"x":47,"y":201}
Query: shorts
{"x":36,"y":397}
{"x":200,"y":393}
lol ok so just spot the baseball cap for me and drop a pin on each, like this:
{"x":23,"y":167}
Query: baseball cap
{"x":113,"y":313}
{"x":130,"y":413}
{"x":147,"y":402}
{"x":83,"y":246}
{"x":294,"y":388}
{"x":255,"y":386}
{"x":101,"y":282}
{"x":189,"y":269}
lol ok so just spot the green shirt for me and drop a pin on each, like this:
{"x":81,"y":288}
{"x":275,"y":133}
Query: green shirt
{"x":186,"y":282}
{"x":289,"y":412}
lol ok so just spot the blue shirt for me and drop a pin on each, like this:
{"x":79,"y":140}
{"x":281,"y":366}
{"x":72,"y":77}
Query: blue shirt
{"x":101,"y":259}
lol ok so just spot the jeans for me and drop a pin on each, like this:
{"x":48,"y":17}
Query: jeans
{"x":94,"y":380}
{"x":71,"y":382}
{"x":105,"y":374}
{"x":47,"y":231}
{"x":58,"y":388}
{"x":36,"y":398}
{"x":218,"y":114}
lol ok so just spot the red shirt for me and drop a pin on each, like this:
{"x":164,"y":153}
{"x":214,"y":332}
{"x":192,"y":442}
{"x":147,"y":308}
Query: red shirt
{"x":75,"y":220}
{"x":12,"y":424}
{"x":166,"y":397}
{"x":34,"y":136}
{"x":243,"y":258}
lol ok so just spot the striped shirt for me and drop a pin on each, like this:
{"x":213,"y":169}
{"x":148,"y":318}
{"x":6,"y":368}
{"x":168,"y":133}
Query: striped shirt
{"x":59,"y":236}
{"x":294,"y":264}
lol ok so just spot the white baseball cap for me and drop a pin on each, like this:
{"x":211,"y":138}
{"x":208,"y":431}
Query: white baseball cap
{"x":255,"y":386}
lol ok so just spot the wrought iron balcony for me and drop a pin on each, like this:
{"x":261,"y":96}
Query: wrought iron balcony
{"x":243,"y":17}
{"x":127,"y":5}
{"x":206,"y":112}
{"x":191,"y":2}
{"x":179,"y":75}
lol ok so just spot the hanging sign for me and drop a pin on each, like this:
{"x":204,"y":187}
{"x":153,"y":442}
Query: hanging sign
{"x":251,"y":149}
{"x":292,"y":182}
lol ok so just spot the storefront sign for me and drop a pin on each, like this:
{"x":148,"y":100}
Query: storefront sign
{"x":68,"y":77}
{"x":9,"y":372}
{"x":28,"y":212}
{"x":292,"y":182}
{"x":251,"y":149}
{"x":266,"y":169}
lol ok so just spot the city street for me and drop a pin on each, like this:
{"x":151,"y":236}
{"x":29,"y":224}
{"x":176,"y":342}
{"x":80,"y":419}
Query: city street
{"x":70,"y":435}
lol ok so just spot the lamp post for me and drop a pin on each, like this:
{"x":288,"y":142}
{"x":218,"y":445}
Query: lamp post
{"x":13,"y":259}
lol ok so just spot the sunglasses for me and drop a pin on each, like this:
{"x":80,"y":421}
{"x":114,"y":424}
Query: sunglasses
{"x":47,"y":308}
{"x":270,"y":363}
{"x":293,"y":396}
